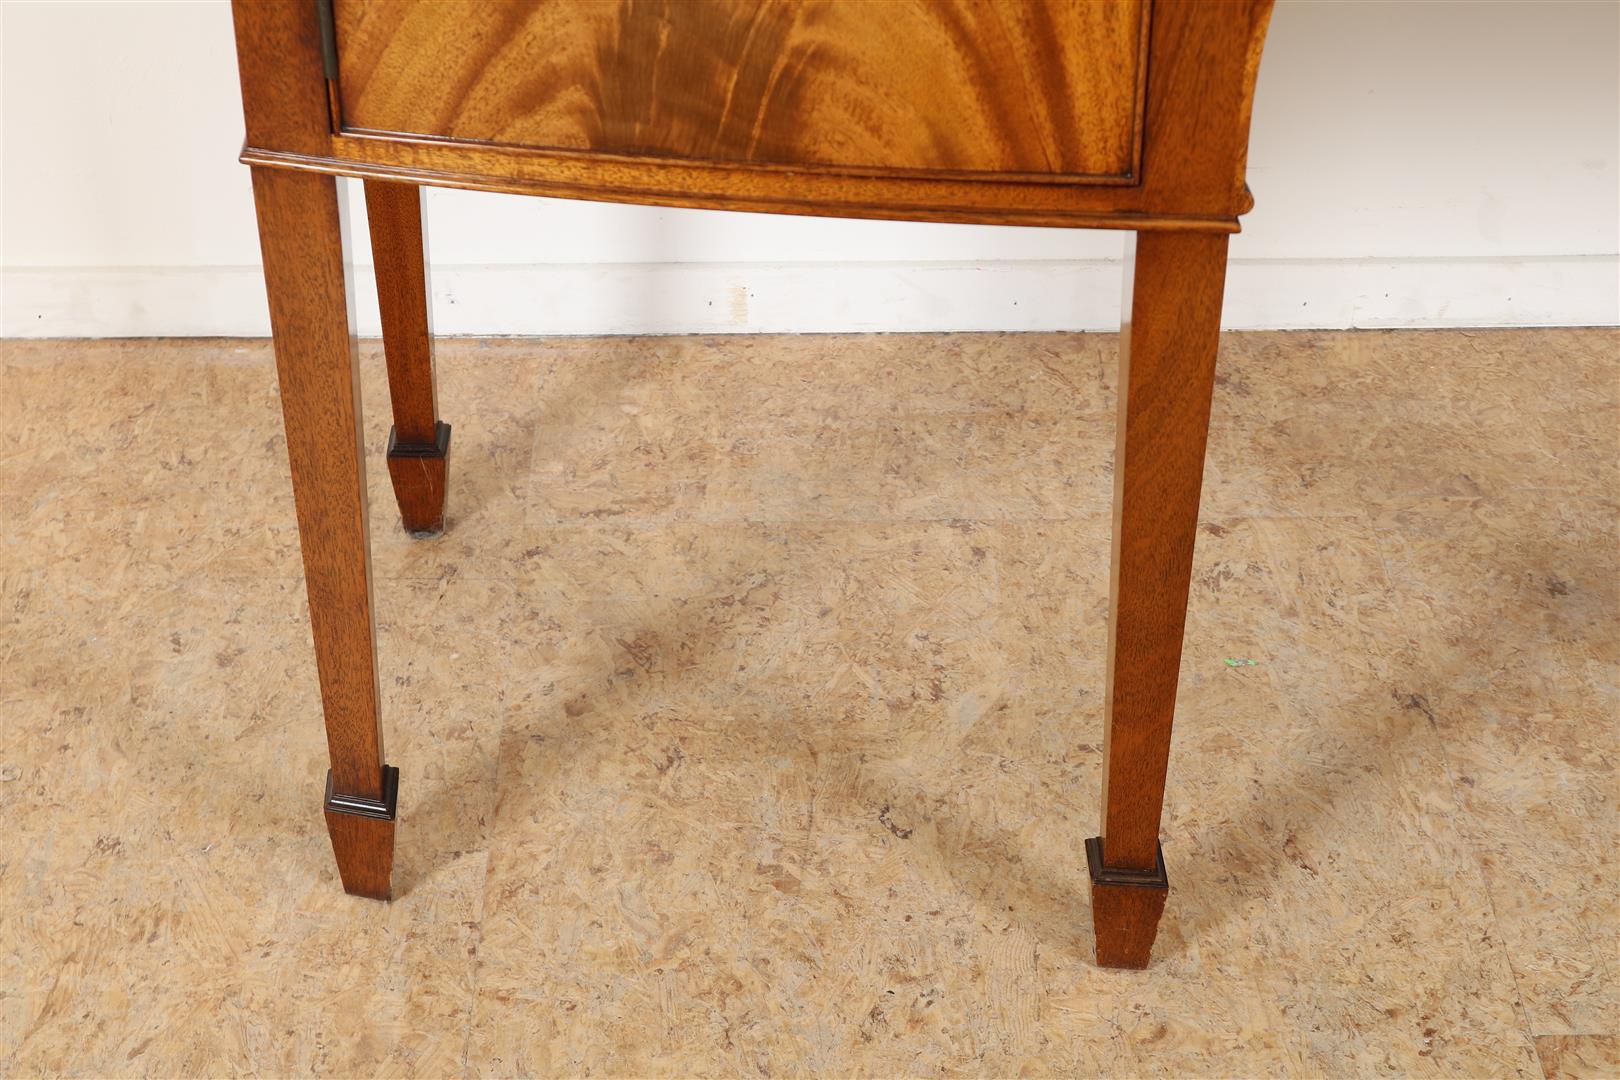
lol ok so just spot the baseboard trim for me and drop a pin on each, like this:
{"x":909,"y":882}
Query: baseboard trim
{"x":716,"y":298}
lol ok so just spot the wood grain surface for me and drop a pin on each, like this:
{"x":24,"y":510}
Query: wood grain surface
{"x":399,"y":251}
{"x":364,"y":850}
{"x":1189,"y":122}
{"x":1043,"y":87}
{"x":1169,"y":331}
{"x":419,"y":445}
{"x":306,"y":276}
{"x":1126,"y":922}
{"x":705,"y":186}
{"x":284,"y":90}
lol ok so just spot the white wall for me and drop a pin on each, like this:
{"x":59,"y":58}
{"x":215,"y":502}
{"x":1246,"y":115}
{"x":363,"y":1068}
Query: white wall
{"x":1415,"y":164}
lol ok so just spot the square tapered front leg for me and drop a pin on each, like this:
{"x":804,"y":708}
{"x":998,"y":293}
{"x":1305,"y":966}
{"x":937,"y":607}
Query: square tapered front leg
{"x":306,"y":275}
{"x":1168,"y":341}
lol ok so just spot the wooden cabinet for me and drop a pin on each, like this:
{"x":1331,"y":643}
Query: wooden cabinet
{"x":1127,"y":114}
{"x":1116,"y":114}
{"x":1020,"y":89}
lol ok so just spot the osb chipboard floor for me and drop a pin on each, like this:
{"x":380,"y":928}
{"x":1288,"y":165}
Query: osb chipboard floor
{"x":748,"y":716}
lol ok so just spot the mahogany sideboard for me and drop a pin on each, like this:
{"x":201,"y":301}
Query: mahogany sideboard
{"x":1117,"y":114}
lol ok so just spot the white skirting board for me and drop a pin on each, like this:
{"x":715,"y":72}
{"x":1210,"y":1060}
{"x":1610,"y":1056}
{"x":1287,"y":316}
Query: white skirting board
{"x":713,"y":298}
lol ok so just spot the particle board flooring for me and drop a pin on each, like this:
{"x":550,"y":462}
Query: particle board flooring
{"x":748,"y":716}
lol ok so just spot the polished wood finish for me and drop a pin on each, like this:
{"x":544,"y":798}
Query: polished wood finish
{"x":1049,"y":89}
{"x":819,"y":194}
{"x":419,"y":444}
{"x":399,"y":253}
{"x":1125,"y":908}
{"x":1170,"y":327}
{"x":284,"y":92}
{"x":420,"y":474}
{"x":306,"y":274}
{"x":362,"y":832}
{"x":1202,"y":59}
{"x":1126,"y":920}
{"x":1126,"y":114}
{"x":364,"y":850}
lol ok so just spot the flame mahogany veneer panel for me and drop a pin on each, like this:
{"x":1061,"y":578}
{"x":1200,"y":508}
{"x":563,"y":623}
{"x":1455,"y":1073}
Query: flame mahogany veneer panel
{"x":1020,"y":87}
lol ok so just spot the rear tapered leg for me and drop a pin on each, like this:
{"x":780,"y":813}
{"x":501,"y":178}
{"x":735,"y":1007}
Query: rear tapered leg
{"x":1168,"y":343}
{"x":301,"y":233}
{"x":419,"y":443}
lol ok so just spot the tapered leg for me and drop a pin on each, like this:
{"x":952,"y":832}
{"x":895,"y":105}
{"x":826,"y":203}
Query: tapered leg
{"x":1168,"y":341}
{"x":419,"y":444}
{"x":306,"y":275}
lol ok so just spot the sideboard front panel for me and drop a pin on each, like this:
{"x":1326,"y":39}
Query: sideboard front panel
{"x":1036,"y":89}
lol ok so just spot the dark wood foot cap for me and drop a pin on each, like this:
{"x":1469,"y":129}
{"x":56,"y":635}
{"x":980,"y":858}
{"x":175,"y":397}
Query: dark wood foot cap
{"x":362,"y":832}
{"x":1125,"y":908}
{"x":420,"y":473}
